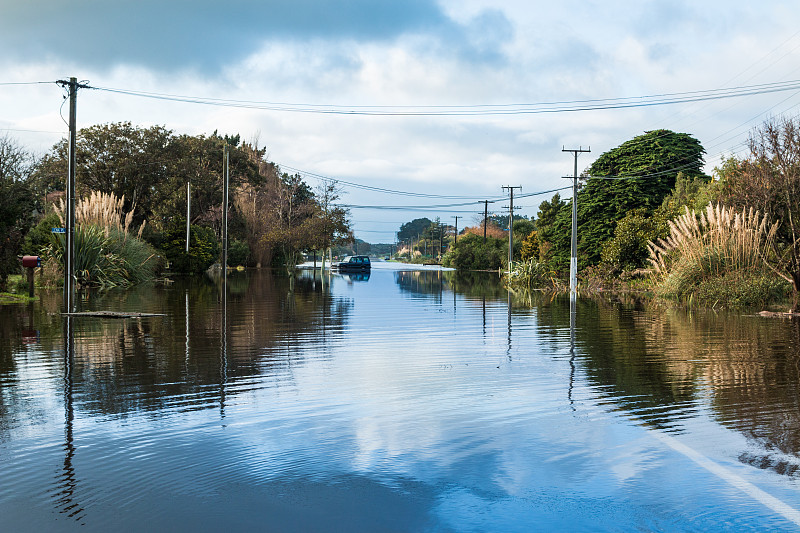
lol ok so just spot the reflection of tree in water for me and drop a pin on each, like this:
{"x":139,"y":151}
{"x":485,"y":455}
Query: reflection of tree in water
{"x":752,"y":367}
{"x":660,"y":364}
{"x":149,"y":363}
{"x":434,"y":282}
{"x":616,"y":354}
{"x":21,"y":326}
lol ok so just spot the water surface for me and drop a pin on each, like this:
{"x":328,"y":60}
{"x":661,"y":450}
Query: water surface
{"x":398,"y":401}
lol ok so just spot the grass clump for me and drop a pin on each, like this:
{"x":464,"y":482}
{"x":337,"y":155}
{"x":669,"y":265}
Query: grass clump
{"x":532,"y":274}
{"x":718,"y":258}
{"x":107,"y":253}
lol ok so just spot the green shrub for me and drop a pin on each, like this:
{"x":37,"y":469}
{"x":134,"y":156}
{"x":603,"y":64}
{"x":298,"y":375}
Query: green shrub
{"x":470,"y":253}
{"x":530,"y":247}
{"x":203,"y":247}
{"x":238,"y":253}
{"x":741,"y":289}
{"x":532,"y":274}
{"x":107,"y":257}
{"x":39,"y":237}
{"x":627,"y":250}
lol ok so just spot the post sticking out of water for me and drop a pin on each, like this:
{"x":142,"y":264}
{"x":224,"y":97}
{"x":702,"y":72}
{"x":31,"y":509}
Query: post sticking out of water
{"x":573,"y":260}
{"x":226,"y":176}
{"x":69,"y":244}
{"x":188,"y":212}
{"x":510,"y":223}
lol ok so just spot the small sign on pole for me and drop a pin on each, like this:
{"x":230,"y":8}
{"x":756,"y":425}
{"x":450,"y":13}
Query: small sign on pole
{"x":58,"y":230}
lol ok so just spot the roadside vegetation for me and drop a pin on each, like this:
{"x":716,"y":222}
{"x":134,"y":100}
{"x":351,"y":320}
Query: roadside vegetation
{"x":134,"y":186}
{"x":728,"y":241}
{"x":649,"y":219}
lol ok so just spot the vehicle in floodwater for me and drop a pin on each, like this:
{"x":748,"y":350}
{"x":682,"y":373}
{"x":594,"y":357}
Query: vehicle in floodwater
{"x":353,"y":263}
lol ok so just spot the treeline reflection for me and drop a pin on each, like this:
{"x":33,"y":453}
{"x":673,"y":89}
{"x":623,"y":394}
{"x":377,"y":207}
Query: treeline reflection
{"x":665,"y":365}
{"x":181,"y":359}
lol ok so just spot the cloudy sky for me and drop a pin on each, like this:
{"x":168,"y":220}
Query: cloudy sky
{"x":409,"y":64}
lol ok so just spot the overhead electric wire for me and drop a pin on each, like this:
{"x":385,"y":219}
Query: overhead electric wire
{"x":439,"y":206}
{"x":479,"y":109}
{"x":5,"y":83}
{"x":30,"y":131}
{"x":376,"y":189}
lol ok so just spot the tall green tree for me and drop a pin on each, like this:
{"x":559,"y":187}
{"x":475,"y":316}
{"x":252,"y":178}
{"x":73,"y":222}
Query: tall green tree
{"x":636,"y":175}
{"x":546,"y":229}
{"x":410,"y":230}
{"x":119,"y":159}
{"x":639,"y":174}
{"x":16,"y":204}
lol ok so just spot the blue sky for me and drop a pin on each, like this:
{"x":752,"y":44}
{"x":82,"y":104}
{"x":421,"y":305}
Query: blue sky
{"x":410,"y":53}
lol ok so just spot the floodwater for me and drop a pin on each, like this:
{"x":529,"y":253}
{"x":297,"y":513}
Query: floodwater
{"x":398,"y":401}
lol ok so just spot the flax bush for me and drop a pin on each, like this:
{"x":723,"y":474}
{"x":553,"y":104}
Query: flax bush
{"x":719,"y":257}
{"x":107,"y":253}
{"x":532,"y":274}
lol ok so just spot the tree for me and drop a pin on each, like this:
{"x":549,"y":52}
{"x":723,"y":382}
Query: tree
{"x":546,"y":229}
{"x":410,"y":230}
{"x":470,"y":253}
{"x":641,"y":173}
{"x":256,"y":204}
{"x":638,"y":174}
{"x":492,"y":230}
{"x":16,"y":204}
{"x":331,"y":226}
{"x":769,"y":180}
{"x":150,"y":168}
{"x":118,"y":159}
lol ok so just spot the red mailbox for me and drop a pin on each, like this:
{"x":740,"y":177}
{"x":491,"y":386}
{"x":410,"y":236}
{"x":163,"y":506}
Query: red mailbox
{"x":31,"y":261}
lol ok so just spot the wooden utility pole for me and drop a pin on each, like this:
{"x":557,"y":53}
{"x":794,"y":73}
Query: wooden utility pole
{"x":69,"y":246}
{"x":455,"y":234}
{"x":511,"y":223}
{"x":573,"y":260}
{"x":485,"y":218}
{"x":225,"y":179}
{"x":441,"y":240}
{"x":188,"y":212}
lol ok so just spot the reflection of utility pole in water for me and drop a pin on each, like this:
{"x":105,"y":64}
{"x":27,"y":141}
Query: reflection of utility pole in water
{"x":187,"y":333}
{"x":223,"y":352}
{"x":484,"y":315}
{"x":508,"y":352}
{"x":67,"y":480}
{"x":572,"y":313}
{"x":454,"y":298}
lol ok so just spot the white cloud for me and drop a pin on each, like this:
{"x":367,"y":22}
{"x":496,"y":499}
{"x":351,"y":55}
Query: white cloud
{"x":452,"y":53}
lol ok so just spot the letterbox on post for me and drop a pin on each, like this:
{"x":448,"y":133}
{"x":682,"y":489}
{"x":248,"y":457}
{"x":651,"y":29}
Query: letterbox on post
{"x":30,"y":262}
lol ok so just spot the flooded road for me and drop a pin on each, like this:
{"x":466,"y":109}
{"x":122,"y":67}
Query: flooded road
{"x":395,"y":401}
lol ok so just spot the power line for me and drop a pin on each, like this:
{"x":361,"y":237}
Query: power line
{"x":375,"y":189}
{"x":7,"y":83}
{"x":478,"y":109}
{"x":439,"y":206}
